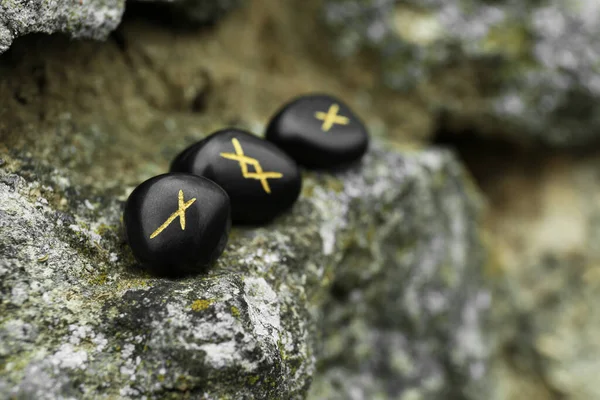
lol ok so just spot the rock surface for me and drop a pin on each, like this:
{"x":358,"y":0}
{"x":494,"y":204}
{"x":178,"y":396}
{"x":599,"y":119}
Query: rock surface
{"x":93,"y":19}
{"x":386,"y":255}
{"x":525,"y":70}
{"x":545,"y":222}
{"x":528,"y":70}
{"x":406,"y":318}
{"x":80,"y":19}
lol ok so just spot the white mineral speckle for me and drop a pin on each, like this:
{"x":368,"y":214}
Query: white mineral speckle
{"x":79,"y":332}
{"x":128,"y":392}
{"x":436,"y":302}
{"x":271,"y":258}
{"x":222,"y":354}
{"x":549,"y":21}
{"x":100,"y":341}
{"x":68,"y":357}
{"x":417,"y":28}
{"x":332,"y":217}
{"x":62,"y":182}
{"x":477,"y":370}
{"x":90,"y":234}
{"x":19,"y":293}
{"x":469,"y":334}
{"x":89,"y":205}
{"x":47,"y":298}
{"x":17,"y":329}
{"x":376,"y":31}
{"x":127,"y":350}
{"x":263,"y":308}
{"x":127,"y":370}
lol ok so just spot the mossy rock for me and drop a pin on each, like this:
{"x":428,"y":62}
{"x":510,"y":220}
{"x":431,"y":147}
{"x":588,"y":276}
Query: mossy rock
{"x":336,"y":292}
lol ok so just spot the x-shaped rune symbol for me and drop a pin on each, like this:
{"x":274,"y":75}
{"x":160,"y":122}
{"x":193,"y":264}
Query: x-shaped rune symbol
{"x":331,"y":117}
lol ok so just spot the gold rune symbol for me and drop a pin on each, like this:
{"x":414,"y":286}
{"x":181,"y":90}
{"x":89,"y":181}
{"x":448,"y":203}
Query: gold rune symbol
{"x":179,"y":213}
{"x":244,"y":161}
{"x":331,"y":118}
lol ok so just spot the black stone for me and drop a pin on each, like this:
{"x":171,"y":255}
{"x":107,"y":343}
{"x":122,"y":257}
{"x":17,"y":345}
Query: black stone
{"x":153,"y":223}
{"x":302,"y":130}
{"x":253,"y":200}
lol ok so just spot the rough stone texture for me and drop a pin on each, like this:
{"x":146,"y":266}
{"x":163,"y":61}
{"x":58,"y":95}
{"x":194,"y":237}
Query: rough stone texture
{"x":543,"y":230}
{"x":545,"y":222}
{"x":413,"y":331}
{"x":396,"y":237}
{"x":131,"y":108}
{"x":108,"y":115}
{"x":86,"y":121}
{"x":90,"y":19}
{"x":93,"y":19}
{"x":526,"y":69}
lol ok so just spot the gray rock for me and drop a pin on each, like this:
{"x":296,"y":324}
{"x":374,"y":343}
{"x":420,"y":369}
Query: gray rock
{"x":80,"y":19}
{"x":92,"y":19}
{"x":525,"y":69}
{"x":547,"y":276}
{"x":372,"y":281}
{"x":407,"y":314}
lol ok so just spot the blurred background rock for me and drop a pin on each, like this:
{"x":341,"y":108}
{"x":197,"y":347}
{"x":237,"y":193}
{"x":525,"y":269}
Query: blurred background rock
{"x":511,"y":87}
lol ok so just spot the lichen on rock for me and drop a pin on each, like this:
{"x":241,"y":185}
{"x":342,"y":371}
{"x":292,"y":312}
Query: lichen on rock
{"x":406,"y":314}
{"x":371,"y":285}
{"x":384,"y":254}
{"x":90,"y":19}
{"x":525,"y":69}
{"x":546,"y":276}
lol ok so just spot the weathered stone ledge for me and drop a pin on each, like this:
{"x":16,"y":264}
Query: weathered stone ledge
{"x":371,"y":285}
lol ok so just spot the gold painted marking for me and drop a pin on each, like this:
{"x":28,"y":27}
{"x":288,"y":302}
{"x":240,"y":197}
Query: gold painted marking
{"x":180,"y":213}
{"x":244,"y":161}
{"x":331,"y":118}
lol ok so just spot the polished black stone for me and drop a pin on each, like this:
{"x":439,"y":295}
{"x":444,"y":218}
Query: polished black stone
{"x":177,"y":223}
{"x":319,"y":131}
{"x":260,"y":179}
